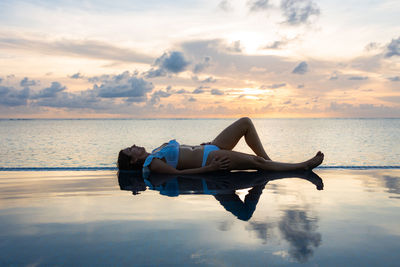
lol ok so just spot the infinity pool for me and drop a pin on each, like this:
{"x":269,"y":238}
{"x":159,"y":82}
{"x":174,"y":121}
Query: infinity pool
{"x":327,"y":218}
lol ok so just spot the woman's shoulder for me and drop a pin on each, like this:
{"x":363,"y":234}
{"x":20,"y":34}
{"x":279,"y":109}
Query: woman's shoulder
{"x":166,"y":149}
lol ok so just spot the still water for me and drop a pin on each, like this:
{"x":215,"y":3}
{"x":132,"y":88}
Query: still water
{"x":95,"y":143}
{"x":327,"y":218}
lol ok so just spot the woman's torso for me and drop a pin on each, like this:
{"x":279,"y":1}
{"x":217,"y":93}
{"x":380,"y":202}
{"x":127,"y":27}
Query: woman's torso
{"x":177,"y":156}
{"x":190,"y":157}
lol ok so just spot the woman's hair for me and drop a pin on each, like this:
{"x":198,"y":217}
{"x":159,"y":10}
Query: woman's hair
{"x":124,"y":162}
{"x":131,"y":181}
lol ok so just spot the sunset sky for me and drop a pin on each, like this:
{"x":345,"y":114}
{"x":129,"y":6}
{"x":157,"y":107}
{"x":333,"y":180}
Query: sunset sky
{"x":162,"y":58}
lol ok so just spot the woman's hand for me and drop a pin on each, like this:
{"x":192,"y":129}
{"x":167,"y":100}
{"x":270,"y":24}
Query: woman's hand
{"x":220,"y":163}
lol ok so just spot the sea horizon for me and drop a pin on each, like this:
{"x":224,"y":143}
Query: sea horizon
{"x":212,"y":118}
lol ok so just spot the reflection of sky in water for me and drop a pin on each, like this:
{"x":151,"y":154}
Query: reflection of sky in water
{"x":62,"y":218}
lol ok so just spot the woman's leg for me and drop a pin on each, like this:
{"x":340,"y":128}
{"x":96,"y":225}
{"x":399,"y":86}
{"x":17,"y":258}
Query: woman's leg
{"x":243,"y":161}
{"x":231,"y":135}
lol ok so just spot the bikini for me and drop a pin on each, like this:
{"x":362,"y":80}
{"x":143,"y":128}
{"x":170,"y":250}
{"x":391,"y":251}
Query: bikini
{"x":207,"y":150}
{"x":170,"y":152}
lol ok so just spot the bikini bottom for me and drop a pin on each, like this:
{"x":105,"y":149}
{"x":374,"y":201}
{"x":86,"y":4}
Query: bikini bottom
{"x":207,"y":150}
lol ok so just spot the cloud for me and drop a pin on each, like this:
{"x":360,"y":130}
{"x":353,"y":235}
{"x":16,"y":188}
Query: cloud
{"x":82,"y":100}
{"x":77,"y":75}
{"x":257,"y":5}
{"x":393,"y":48}
{"x":138,"y":99}
{"x":297,"y":12}
{"x":276,"y":45}
{"x":1,"y":79}
{"x":302,"y":68}
{"x":236,"y":66}
{"x":101,"y":78}
{"x":123,"y":85}
{"x":181,"y":91}
{"x":152,"y":73}
{"x":257,"y":69}
{"x":172,"y":62}
{"x":225,"y":5}
{"x":56,"y":97}
{"x":199,"y":67}
{"x":279,"y":44}
{"x":394,"y":79}
{"x":169,"y":62}
{"x":192,"y":99}
{"x":334,"y":76}
{"x":273,"y":86}
{"x":199,"y":90}
{"x":366,"y":110}
{"x":80,"y":48}
{"x":235,"y":47}
{"x":371,"y":46}
{"x":394,"y":98}
{"x":261,"y":229}
{"x":11,"y":97}
{"x":299,"y":230}
{"x":216,"y":92}
{"x":339,"y":106}
{"x":129,"y":86}
{"x":209,"y":80}
{"x":300,"y":86}
{"x":51,"y":91}
{"x":25,"y":82}
{"x":157,"y":95}
{"x":392,"y":183}
{"x":358,"y":78}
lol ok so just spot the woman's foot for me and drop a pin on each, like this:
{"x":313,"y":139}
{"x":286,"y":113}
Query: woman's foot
{"x":314,"y":162}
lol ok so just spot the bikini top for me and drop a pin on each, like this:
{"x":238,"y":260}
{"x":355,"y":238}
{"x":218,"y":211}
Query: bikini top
{"x":170,"y":152}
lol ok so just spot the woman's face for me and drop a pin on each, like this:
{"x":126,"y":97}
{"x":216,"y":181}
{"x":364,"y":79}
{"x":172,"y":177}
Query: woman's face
{"x":135,"y":152}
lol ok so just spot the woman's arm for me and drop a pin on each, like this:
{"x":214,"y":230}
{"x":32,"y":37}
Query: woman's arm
{"x":160,"y":147}
{"x":157,"y":165}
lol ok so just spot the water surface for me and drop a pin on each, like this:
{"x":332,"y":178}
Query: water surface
{"x":70,"y":218}
{"x":95,"y":143}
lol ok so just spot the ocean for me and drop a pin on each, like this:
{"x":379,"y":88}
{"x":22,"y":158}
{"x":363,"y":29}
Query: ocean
{"x":95,"y":143}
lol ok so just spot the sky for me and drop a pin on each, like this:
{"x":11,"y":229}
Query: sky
{"x":199,"y":59}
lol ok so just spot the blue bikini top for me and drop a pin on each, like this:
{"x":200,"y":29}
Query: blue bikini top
{"x":170,"y":152}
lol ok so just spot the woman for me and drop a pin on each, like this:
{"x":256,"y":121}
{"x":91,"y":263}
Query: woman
{"x":173,"y":158}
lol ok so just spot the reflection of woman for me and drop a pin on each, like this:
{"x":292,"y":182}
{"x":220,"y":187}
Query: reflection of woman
{"x":221,"y":185}
{"x":173,"y":158}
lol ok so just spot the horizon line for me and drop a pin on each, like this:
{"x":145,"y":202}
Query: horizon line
{"x":194,"y":118}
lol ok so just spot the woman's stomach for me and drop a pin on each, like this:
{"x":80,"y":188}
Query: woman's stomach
{"x":190,"y":157}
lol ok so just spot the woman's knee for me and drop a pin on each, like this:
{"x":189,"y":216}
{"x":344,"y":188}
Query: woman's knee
{"x":245,"y":122}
